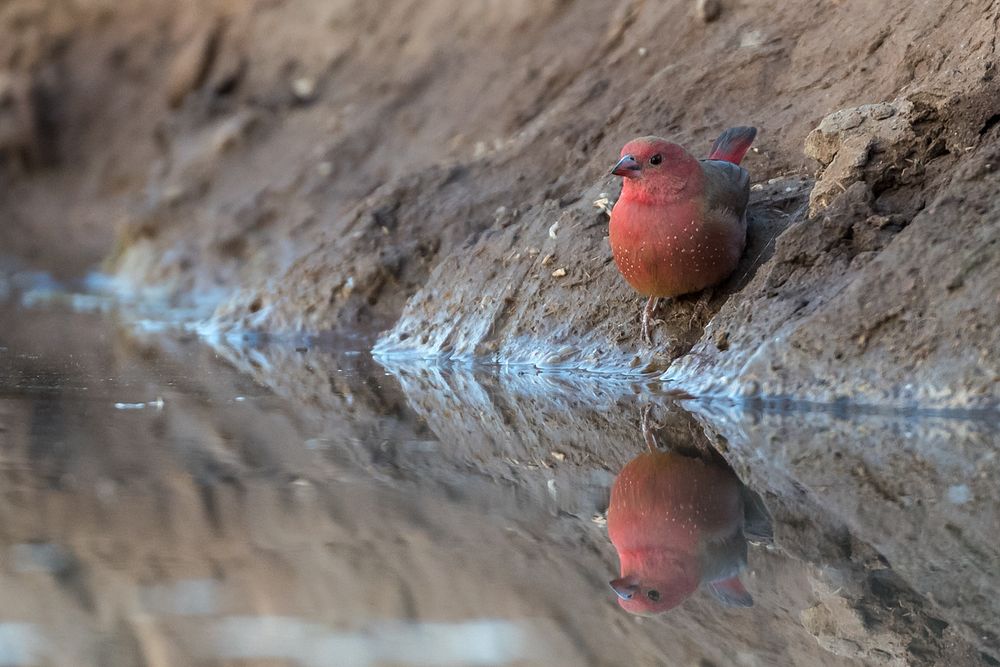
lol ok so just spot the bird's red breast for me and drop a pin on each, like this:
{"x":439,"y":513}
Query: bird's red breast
{"x":674,"y":248}
{"x":667,"y":500}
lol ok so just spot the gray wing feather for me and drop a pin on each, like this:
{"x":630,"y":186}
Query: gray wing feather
{"x":727,"y":185}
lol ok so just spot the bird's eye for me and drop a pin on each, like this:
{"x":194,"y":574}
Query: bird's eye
{"x":656,"y":159}
{"x":653,"y":595}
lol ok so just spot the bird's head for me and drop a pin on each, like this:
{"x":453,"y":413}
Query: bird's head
{"x":644,"y":595}
{"x":653,"y":168}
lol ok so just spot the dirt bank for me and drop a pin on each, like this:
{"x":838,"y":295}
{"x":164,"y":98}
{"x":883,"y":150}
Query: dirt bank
{"x":428,"y":167}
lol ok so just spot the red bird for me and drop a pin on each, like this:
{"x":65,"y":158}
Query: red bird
{"x":677,"y":523}
{"x":680,"y":223}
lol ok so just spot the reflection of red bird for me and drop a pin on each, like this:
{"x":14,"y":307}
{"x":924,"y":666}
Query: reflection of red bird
{"x":677,"y":522}
{"x":680,"y":224}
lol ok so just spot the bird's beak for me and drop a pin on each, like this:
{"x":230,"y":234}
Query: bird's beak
{"x":627,"y":167}
{"x":625,"y":587}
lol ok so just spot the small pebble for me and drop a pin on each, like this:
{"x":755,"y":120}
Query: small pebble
{"x":304,"y":89}
{"x":559,"y":273}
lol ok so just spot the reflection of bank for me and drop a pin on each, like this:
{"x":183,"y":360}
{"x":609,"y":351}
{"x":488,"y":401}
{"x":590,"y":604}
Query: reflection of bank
{"x":679,"y":520}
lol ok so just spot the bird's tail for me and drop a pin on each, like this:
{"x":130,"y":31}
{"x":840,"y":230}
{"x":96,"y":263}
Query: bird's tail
{"x":733,"y":144}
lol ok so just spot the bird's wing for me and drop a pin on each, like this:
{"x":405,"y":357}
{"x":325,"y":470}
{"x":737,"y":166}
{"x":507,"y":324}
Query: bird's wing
{"x":723,"y":556}
{"x":727,"y":185}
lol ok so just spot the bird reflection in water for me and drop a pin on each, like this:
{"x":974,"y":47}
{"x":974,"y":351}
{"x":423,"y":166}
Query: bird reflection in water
{"x":681,"y":519}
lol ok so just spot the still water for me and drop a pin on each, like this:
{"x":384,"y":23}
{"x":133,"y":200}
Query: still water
{"x":167,"y":502}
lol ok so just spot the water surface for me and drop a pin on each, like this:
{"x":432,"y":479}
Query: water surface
{"x":166,"y":502}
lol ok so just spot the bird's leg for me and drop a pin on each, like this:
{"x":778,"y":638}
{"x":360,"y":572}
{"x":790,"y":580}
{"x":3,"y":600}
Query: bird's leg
{"x":647,"y":430}
{"x":647,"y":314}
{"x":701,"y":309}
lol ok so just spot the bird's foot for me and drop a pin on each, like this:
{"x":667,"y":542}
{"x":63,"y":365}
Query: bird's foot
{"x":647,"y":319}
{"x":701,"y":311}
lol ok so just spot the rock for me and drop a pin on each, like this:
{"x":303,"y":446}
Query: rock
{"x":230,"y":62}
{"x":840,"y":629}
{"x":18,"y":130}
{"x":192,"y":64}
{"x":845,"y":141}
{"x":708,"y":10}
{"x":304,"y":89}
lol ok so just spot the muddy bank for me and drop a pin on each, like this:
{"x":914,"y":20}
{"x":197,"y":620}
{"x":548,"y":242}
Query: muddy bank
{"x":305,"y":167}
